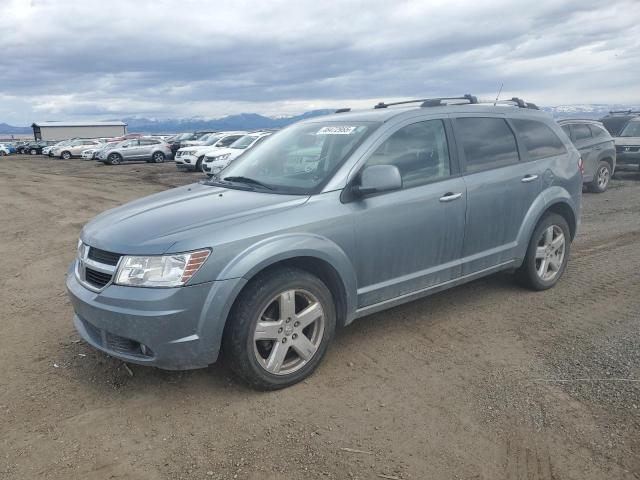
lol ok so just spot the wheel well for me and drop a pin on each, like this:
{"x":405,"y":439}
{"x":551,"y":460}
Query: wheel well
{"x":321,"y":269}
{"x":609,"y":161}
{"x":566,"y":212}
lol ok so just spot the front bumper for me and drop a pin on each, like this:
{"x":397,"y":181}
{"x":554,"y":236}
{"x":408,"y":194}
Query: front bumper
{"x":170,"y":328}
{"x":186,"y":162}
{"x":628,"y":157}
{"x":213,"y":167}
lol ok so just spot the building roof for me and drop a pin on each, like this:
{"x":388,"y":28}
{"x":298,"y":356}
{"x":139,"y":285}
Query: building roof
{"x":79,"y":124}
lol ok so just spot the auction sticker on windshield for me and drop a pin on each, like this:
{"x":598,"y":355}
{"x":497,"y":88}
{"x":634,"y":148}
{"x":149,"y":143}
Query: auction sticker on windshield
{"x":337,"y":130}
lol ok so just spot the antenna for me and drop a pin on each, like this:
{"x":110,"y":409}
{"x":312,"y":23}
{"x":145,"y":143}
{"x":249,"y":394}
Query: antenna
{"x":499,"y":92}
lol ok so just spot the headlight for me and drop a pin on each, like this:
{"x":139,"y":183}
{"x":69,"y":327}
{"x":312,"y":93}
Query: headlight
{"x":223,"y":157}
{"x":160,"y":271}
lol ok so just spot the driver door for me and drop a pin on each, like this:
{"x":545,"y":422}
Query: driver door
{"x":411,"y":239}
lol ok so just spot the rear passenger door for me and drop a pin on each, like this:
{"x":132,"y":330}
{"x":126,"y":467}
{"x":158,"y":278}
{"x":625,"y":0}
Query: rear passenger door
{"x":500,"y":190}
{"x":146,"y":148}
{"x":410,"y":239}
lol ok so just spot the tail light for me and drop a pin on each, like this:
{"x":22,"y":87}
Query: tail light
{"x":581,"y":166}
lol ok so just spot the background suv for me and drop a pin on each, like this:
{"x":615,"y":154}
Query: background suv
{"x":191,"y":158}
{"x":137,"y":149}
{"x":73,"y":148}
{"x":625,"y":129}
{"x":215,"y":161}
{"x":382,"y":207}
{"x":597,"y":149}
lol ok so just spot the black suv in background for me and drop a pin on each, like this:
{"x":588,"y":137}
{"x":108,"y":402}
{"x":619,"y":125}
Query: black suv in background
{"x":624,"y":127}
{"x":176,"y":142}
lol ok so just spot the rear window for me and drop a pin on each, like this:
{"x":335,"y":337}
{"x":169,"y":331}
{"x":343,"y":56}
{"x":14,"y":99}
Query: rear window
{"x":539,"y":139}
{"x":581,"y":131}
{"x":614,"y":125}
{"x":598,"y":131}
{"x":487,"y":143}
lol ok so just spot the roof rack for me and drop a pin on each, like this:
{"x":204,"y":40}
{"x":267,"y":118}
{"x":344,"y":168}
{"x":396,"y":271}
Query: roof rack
{"x":429,"y":102}
{"x":623,"y":112}
{"x":342,"y":110}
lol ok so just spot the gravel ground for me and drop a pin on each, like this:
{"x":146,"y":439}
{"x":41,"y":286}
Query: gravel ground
{"x":484,"y":381}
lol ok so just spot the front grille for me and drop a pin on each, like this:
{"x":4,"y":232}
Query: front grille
{"x":103,"y":256}
{"x":95,"y":278}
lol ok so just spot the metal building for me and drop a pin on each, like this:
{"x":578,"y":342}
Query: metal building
{"x":65,"y":130}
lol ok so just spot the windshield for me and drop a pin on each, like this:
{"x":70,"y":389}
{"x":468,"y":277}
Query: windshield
{"x":615,"y":124}
{"x":300,"y":158}
{"x":212,"y":139}
{"x":243,"y":142}
{"x":631,"y":130}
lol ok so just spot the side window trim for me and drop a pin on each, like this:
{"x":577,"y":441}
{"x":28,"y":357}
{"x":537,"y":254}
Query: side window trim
{"x":460,"y":146}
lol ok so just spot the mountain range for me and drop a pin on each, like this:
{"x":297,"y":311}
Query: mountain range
{"x":254,"y":121}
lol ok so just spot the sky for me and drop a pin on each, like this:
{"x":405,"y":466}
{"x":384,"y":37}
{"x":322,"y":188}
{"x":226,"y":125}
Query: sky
{"x":109,"y":59}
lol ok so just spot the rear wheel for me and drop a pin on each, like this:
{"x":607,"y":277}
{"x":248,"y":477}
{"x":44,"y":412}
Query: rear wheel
{"x":547,"y":254}
{"x":33,"y":151}
{"x":158,"y":157}
{"x":114,"y":159}
{"x":280,"y":328}
{"x":601,"y":178}
{"x":65,"y":155}
{"x":199,"y":164}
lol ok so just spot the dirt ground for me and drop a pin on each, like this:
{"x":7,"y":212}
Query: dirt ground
{"x":484,"y":381}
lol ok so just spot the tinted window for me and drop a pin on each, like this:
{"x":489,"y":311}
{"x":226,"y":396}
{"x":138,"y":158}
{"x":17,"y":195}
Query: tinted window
{"x":487,"y":143}
{"x":598,"y":131}
{"x":614,"y":125}
{"x":539,"y":139}
{"x":581,"y":131}
{"x":149,"y":142}
{"x":418,"y":150}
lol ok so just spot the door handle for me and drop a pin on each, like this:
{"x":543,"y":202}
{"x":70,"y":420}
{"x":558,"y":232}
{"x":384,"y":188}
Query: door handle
{"x":450,"y":196}
{"x":528,"y":178}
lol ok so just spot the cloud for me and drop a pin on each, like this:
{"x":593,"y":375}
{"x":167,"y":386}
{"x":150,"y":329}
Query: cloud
{"x":67,"y":59}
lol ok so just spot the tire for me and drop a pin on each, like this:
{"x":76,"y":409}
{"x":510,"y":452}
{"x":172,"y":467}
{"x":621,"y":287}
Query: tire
{"x":199,"y":164}
{"x":601,"y":178}
{"x":535,"y":274}
{"x":157,"y":157}
{"x":256,"y":361}
{"x":2,"y":153}
{"x":33,"y":151}
{"x":65,"y":155}
{"x":114,"y":159}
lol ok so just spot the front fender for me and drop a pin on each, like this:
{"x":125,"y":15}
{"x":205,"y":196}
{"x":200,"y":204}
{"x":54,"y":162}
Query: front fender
{"x":269,"y":251}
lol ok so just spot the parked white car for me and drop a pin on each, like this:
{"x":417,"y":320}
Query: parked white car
{"x":4,"y":150}
{"x":216,"y":161}
{"x":191,"y":158}
{"x":88,"y":154}
{"x":74,"y":149}
{"x":47,"y":150}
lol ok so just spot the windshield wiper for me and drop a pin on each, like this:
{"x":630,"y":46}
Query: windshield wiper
{"x":247,"y":180}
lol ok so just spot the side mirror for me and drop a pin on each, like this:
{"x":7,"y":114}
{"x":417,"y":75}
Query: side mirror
{"x":377,"y":179}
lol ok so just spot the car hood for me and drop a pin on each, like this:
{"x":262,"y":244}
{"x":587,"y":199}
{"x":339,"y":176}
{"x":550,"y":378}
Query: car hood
{"x":179,"y":217}
{"x":627,"y":140}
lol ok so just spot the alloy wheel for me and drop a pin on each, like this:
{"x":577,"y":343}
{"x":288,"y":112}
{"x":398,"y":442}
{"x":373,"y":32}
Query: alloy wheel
{"x":288,"y":332}
{"x":550,"y":253}
{"x":603,"y":177}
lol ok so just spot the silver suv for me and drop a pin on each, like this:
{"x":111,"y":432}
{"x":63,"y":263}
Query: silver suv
{"x":327,"y":221}
{"x":597,"y":149}
{"x":136,"y":149}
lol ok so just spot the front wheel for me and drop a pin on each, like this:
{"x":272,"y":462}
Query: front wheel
{"x":547,"y":254}
{"x":158,"y":157}
{"x":601,"y":179}
{"x":33,"y":151}
{"x":114,"y":159}
{"x":65,"y":155}
{"x":280,"y":328}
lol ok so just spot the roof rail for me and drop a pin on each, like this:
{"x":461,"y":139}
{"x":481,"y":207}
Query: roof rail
{"x":342,"y":110}
{"x":515,"y":101}
{"x":623,"y":112}
{"x":429,"y":102}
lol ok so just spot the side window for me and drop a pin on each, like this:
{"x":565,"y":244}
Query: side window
{"x":581,"y":131}
{"x":598,"y":132}
{"x":419,"y":151}
{"x":539,"y":139}
{"x":487,"y":143}
{"x":567,"y":129}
